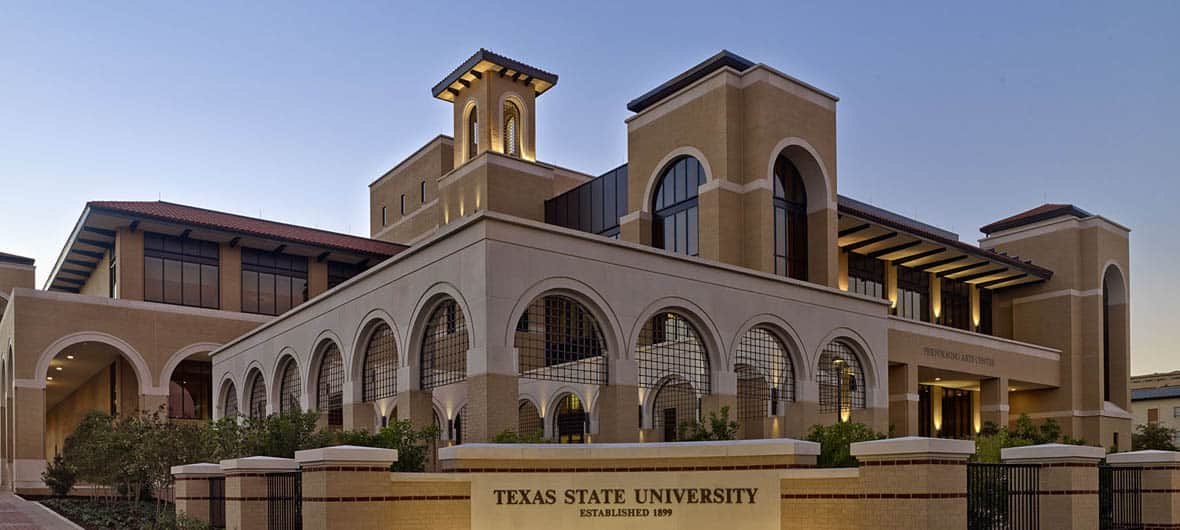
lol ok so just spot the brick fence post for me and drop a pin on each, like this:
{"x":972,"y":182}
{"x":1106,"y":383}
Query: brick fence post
{"x":192,"y":489}
{"x":1068,"y":482}
{"x":914,"y":482}
{"x":246,"y":495}
{"x":346,"y":487}
{"x":1160,"y":486}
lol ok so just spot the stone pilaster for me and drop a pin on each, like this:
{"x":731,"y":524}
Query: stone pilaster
{"x":345,"y":486}
{"x":903,"y":399}
{"x":993,"y":401}
{"x":1068,"y":482}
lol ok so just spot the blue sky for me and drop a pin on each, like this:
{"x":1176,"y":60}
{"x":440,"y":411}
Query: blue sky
{"x":955,"y":115}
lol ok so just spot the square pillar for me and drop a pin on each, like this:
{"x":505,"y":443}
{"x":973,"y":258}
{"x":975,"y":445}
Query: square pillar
{"x":192,"y":489}
{"x":636,"y":228}
{"x":903,"y":399}
{"x":491,"y":406}
{"x":246,"y":495}
{"x":1069,"y":473}
{"x":418,"y":407}
{"x":345,"y":486}
{"x":360,"y":417}
{"x":928,"y":476}
{"x":993,"y":401}
{"x":1161,"y":484}
{"x":618,"y":414}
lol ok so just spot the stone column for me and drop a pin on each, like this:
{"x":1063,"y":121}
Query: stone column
{"x":1160,"y":486}
{"x":993,"y":401}
{"x":491,"y":406}
{"x":246,"y":493}
{"x":903,"y":399}
{"x":618,"y":405}
{"x":418,"y":407}
{"x":345,"y":486}
{"x":29,"y":435}
{"x":926,"y":478}
{"x":724,"y":394}
{"x":1068,"y":482}
{"x":192,"y":489}
{"x":360,"y":416}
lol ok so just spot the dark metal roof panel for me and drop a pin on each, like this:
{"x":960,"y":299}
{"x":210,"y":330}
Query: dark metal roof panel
{"x":494,"y":58}
{"x":720,"y":60}
{"x":1163,"y":392}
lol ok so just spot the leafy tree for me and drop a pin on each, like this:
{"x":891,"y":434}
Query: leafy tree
{"x":836,"y":442}
{"x":1153,"y":436}
{"x":59,"y":476}
{"x":993,"y":438}
{"x":716,"y":427}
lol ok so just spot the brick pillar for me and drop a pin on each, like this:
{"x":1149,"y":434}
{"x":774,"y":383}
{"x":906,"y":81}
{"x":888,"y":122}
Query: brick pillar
{"x":903,"y":399}
{"x":929,"y":476}
{"x":360,"y":417}
{"x":342,"y":486}
{"x":192,"y":489}
{"x":993,"y":401}
{"x":636,"y":228}
{"x":618,"y":414}
{"x":1160,"y":486}
{"x":1068,"y":482}
{"x":245,"y":489}
{"x":724,"y":385}
{"x":491,"y":406}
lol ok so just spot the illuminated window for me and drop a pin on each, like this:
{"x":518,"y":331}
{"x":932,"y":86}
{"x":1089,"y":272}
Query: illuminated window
{"x":511,"y":129}
{"x":764,"y":375}
{"x":557,"y":339}
{"x":841,"y":380}
{"x":866,"y":275}
{"x":674,"y":364}
{"x":569,"y":422}
{"x":472,"y":133}
{"x":674,"y":207}
{"x":913,"y":294}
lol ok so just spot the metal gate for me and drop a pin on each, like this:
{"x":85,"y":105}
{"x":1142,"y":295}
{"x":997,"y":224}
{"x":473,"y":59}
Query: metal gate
{"x":1120,"y":505}
{"x":217,"y":502}
{"x":284,"y":507}
{"x":1003,"y":496}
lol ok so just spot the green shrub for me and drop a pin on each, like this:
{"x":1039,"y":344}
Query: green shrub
{"x":509,"y":436}
{"x":59,"y":476}
{"x":836,"y":442}
{"x":716,"y":427}
{"x":993,"y":438}
{"x":1153,"y":436}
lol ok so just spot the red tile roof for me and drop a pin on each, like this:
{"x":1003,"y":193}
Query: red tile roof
{"x":179,"y":213}
{"x":1040,"y":213}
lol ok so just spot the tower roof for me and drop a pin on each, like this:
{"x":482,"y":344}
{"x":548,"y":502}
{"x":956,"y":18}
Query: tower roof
{"x":722,"y":59}
{"x":1040,"y":213}
{"x":485,"y":62}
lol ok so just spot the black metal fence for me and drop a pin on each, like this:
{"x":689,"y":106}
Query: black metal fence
{"x":217,"y":502}
{"x":1003,"y":497}
{"x":284,"y":492}
{"x":1120,"y":505}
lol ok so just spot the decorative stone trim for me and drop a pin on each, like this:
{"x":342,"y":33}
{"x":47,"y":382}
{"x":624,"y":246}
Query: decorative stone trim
{"x":914,"y":462}
{"x":789,"y":496}
{"x":390,"y":498}
{"x":750,"y":467}
{"x":374,"y":469}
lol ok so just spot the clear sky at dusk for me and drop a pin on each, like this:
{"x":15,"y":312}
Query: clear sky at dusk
{"x":957,"y":117}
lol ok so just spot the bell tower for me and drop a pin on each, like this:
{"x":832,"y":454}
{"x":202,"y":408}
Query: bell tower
{"x":494,"y":100}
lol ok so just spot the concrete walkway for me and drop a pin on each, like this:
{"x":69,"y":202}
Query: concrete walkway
{"x":19,"y":514}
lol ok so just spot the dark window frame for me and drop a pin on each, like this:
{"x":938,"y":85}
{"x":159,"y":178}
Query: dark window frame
{"x":679,"y":206}
{"x":913,"y":282}
{"x":790,"y":203}
{"x":201,"y":254}
{"x":866,"y":276}
{"x":280,"y":266}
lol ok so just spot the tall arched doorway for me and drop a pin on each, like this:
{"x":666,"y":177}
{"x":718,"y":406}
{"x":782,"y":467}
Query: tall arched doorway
{"x":570,"y":420}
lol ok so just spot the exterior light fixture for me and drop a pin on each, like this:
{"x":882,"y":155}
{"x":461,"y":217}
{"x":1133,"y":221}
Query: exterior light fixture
{"x":938,"y":379}
{"x":1011,"y":389}
{"x":70,"y":356}
{"x":58,"y":368}
{"x":49,"y":378}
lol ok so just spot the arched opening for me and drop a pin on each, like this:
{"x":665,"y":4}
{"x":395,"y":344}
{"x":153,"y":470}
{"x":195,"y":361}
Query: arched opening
{"x":512,"y":134}
{"x":674,"y":363}
{"x":765,"y":378}
{"x":675,"y":211}
{"x":570,"y":420}
{"x":290,"y":386}
{"x":558,"y":339}
{"x":190,"y":389}
{"x":459,"y":428}
{"x":444,"y":346}
{"x":790,"y":220}
{"x":229,"y":401}
{"x":841,"y":381}
{"x":1114,"y":337}
{"x":257,"y":395}
{"x":379,"y":369}
{"x":528,"y":420}
{"x":330,"y":386}
{"x":84,"y":377}
{"x":472,"y":132}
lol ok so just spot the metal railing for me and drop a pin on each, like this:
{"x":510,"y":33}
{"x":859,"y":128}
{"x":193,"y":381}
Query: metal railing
{"x":1120,"y":498}
{"x":217,"y":502}
{"x":284,"y":507}
{"x":1003,"y":496}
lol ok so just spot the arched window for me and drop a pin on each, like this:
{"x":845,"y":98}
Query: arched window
{"x":473,"y":133}
{"x":674,"y":207}
{"x":841,"y":380}
{"x":528,"y":420}
{"x":289,"y":383}
{"x":379,"y":379}
{"x":790,"y":221}
{"x":569,"y":420}
{"x":330,"y":386}
{"x":1114,"y":336}
{"x":558,"y":339}
{"x":257,"y":397}
{"x":764,"y":377}
{"x":674,"y":364}
{"x":229,"y":407}
{"x":511,"y":129}
{"x":444,"y":346}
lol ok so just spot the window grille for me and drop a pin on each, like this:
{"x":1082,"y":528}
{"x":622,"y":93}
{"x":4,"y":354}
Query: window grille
{"x":229,"y":409}
{"x":675,"y":409}
{"x":289,"y":387}
{"x":379,"y":380}
{"x":673,"y":362}
{"x":257,"y":397}
{"x":765,"y":375}
{"x":841,"y":380}
{"x":330,"y":386}
{"x":558,"y":339}
{"x":444,"y":346}
{"x":528,"y":420}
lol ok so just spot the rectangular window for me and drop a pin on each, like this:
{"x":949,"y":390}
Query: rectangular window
{"x":422,"y":191}
{"x":403,"y":204}
{"x":955,"y":309}
{"x":1176,"y":412}
{"x":985,"y":312}
{"x":112,"y":278}
{"x":272,"y":282}
{"x":384,"y":217}
{"x":190,"y":391}
{"x":1153,"y":416}
{"x":181,"y":271}
{"x":913,"y":294}
{"x":340,"y":272}
{"x":866,"y":275}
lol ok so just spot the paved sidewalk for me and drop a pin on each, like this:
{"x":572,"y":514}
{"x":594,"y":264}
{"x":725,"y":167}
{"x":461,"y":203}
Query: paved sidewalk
{"x":19,"y":514}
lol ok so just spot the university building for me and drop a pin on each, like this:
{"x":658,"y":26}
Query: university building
{"x":1155,"y":400}
{"x":718,"y":267}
